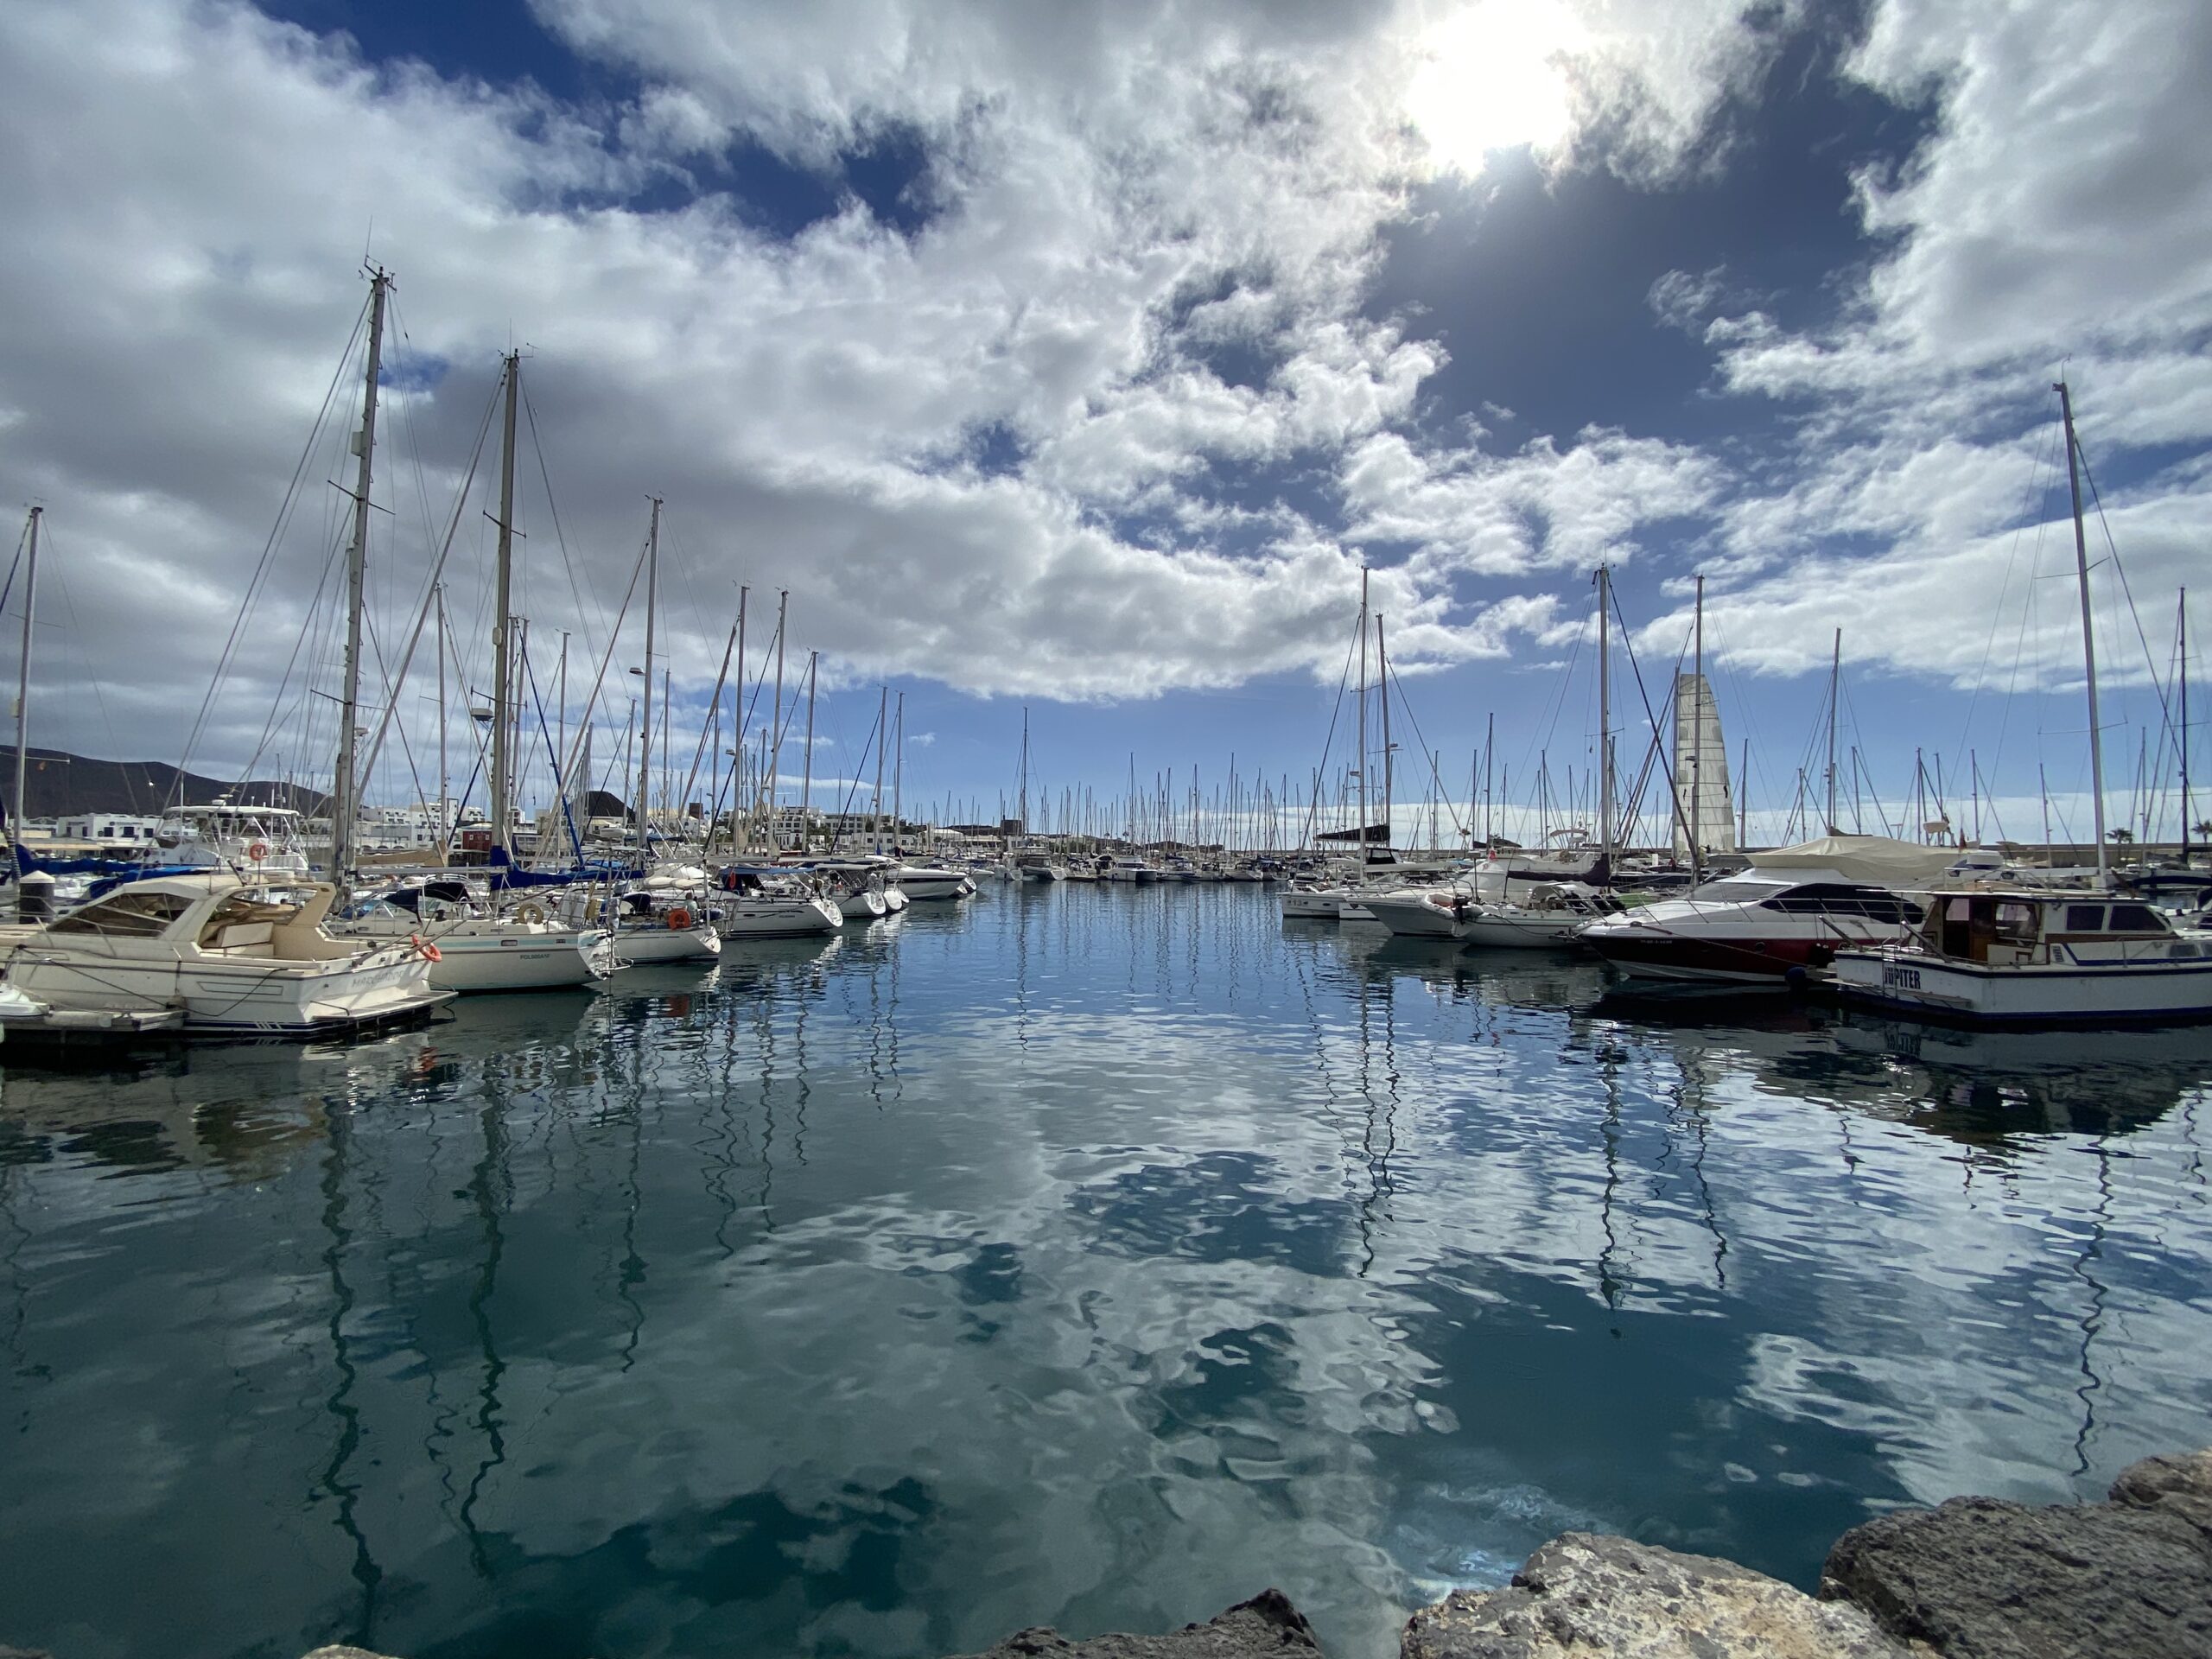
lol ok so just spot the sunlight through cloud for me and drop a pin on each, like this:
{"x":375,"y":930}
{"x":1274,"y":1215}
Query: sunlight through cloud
{"x":1493,"y":76}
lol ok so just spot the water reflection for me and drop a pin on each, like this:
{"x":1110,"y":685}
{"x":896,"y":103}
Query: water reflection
{"x":1081,"y":1254}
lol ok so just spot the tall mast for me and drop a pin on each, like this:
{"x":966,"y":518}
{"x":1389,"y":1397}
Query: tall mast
{"x":445,"y":777}
{"x":1835,"y":684}
{"x":2089,"y":631}
{"x":882,"y":740}
{"x":646,"y":682}
{"x":1363,"y":721}
{"x":502,"y":653}
{"x":345,"y":802}
{"x":737,"y":725}
{"x":898,"y":763}
{"x":806,"y":785}
{"x":1021,"y":778}
{"x":1604,"y":721}
{"x":776,"y":739}
{"x":16,"y":815}
{"x":2183,"y":609}
{"x":1489,"y":773}
{"x":565,"y":784}
{"x":1697,"y":739}
{"x":1382,"y":684}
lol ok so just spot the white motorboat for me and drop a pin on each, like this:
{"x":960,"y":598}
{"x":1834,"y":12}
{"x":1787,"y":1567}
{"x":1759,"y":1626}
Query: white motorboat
{"x":2029,"y":957}
{"x":1312,"y":902}
{"x":1128,"y":870}
{"x":528,"y":947}
{"x":1549,"y":916}
{"x":920,"y":881}
{"x":754,"y":903}
{"x":264,"y":842}
{"x":237,"y":961}
{"x":1789,"y":914}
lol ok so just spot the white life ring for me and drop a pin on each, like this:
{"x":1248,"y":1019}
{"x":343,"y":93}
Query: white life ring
{"x":529,"y":913}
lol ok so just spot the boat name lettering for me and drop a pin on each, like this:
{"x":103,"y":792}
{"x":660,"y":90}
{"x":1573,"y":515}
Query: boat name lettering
{"x":1909,"y":978}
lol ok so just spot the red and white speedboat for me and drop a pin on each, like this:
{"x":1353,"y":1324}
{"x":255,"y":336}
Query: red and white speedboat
{"x":1789,"y":914}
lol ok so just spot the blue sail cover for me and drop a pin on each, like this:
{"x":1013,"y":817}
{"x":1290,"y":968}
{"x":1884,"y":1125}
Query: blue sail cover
{"x":119,"y":869}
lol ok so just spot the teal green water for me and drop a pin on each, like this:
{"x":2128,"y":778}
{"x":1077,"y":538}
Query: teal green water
{"x":1083,"y":1255}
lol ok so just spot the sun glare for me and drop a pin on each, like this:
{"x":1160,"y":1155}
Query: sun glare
{"x":1491,"y":78}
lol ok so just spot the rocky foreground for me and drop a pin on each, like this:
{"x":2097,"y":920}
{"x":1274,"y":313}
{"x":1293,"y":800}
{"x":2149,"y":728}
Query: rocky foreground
{"x":1975,"y":1578}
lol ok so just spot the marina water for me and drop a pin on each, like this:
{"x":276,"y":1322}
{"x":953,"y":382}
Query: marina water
{"x":1092,"y":1255}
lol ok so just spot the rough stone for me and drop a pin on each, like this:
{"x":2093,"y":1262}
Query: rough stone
{"x":1584,"y":1595}
{"x":340,"y":1651}
{"x":1978,"y":1577}
{"x":2180,"y":1485}
{"x":1266,"y":1625}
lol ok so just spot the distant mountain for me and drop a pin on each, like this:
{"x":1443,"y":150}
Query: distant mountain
{"x":62,"y":785}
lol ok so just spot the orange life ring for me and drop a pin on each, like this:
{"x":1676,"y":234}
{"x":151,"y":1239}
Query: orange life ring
{"x":258,"y":851}
{"x":428,"y":951}
{"x":678,"y":919}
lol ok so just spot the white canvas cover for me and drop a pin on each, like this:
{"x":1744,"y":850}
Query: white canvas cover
{"x":1877,"y":859}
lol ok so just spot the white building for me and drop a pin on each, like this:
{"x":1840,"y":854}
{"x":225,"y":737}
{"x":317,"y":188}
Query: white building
{"x":109,"y":827}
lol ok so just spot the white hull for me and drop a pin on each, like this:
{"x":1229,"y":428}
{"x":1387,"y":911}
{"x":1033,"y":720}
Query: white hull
{"x":2033,"y":994}
{"x":775,"y":919}
{"x":1300,"y":903}
{"x":481,"y":955}
{"x":1418,"y":916}
{"x":866,"y":906}
{"x":250,"y":997}
{"x":895,"y":900}
{"x":699,"y":943}
{"x":941,"y":884}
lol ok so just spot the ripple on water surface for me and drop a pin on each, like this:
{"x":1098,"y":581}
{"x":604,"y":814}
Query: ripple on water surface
{"x":1082,"y":1255}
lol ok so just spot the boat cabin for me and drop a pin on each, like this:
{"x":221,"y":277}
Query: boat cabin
{"x":2015,"y":929}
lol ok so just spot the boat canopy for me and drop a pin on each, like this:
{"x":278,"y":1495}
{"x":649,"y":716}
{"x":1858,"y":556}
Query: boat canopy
{"x":1879,"y":860}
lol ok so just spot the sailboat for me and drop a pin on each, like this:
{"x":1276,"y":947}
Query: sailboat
{"x":2028,"y":955}
{"x":477,"y":947}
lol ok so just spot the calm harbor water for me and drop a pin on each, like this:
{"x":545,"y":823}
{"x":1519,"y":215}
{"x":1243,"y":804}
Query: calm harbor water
{"x":1088,"y":1255}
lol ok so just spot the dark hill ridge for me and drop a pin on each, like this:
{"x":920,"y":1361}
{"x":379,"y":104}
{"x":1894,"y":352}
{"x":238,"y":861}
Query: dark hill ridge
{"x":58,"y":785}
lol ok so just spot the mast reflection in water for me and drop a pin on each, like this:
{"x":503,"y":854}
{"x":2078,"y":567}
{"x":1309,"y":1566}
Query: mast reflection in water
{"x":1087,"y":1254}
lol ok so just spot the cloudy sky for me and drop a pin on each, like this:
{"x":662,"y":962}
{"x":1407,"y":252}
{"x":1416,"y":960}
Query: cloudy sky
{"x":1076,"y":358}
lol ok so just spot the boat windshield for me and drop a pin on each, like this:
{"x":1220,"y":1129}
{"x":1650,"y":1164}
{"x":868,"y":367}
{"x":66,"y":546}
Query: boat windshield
{"x":1725,"y":892}
{"x":126,"y":915}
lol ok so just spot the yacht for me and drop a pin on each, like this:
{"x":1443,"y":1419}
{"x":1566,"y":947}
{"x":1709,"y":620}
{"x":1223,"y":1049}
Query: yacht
{"x":527,"y":948}
{"x":268,"y":841}
{"x":664,"y":919}
{"x":2028,"y":956}
{"x":857,"y":888}
{"x":772,"y":904}
{"x":236,"y":960}
{"x":1549,"y":916}
{"x":920,"y":881}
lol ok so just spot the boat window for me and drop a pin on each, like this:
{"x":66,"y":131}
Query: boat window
{"x":1733,"y":892}
{"x":126,"y":915}
{"x":2085,"y":918}
{"x":2135,"y":918}
{"x":1834,"y":899}
{"x":2015,"y":922}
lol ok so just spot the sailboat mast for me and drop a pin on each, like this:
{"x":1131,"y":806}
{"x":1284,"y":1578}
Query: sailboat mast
{"x":344,"y":806}
{"x":1604,"y":721}
{"x":1363,"y":720}
{"x":882,"y":739}
{"x":646,"y":707}
{"x":2184,"y":643}
{"x":1697,"y":739}
{"x":806,"y":783}
{"x":502,"y":658}
{"x":16,"y":813}
{"x":2089,"y":631}
{"x":898,"y":763}
{"x":1835,"y":682}
{"x":776,"y":741}
{"x":1382,"y":684}
{"x":445,"y":776}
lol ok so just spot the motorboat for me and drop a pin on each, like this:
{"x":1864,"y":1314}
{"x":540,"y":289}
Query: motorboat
{"x":527,"y":947}
{"x":265,"y":842}
{"x":920,"y":881}
{"x":2026,"y":956}
{"x":1128,"y":870}
{"x":236,"y":960}
{"x":772,"y":904}
{"x":1548,"y":916}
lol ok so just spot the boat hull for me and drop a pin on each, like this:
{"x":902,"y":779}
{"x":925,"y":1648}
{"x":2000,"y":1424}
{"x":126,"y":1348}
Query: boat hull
{"x":776,"y":919}
{"x":699,"y":942}
{"x":2031,"y":995}
{"x":1771,"y":962}
{"x":254,"y":997}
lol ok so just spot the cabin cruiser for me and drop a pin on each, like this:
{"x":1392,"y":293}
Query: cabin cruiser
{"x":920,"y":881}
{"x":1040,"y":867}
{"x":1125,"y":869}
{"x":1790,"y":914}
{"x":529,"y":948}
{"x":267,"y":842}
{"x":2028,"y":956}
{"x":1548,"y":916}
{"x":236,"y":960}
{"x":772,"y":904}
